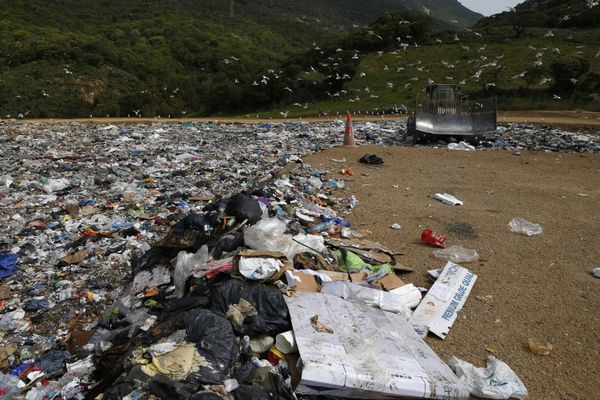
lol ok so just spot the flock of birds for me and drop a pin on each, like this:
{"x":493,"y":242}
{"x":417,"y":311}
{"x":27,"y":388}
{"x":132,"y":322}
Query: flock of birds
{"x":474,"y":66}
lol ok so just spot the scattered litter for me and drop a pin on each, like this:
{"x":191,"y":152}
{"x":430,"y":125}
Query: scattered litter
{"x":539,"y":347}
{"x":158,"y":257}
{"x":440,"y":306}
{"x":457,"y":254}
{"x":496,"y":381}
{"x":448,"y":199}
{"x":395,"y":226}
{"x":524,"y":227}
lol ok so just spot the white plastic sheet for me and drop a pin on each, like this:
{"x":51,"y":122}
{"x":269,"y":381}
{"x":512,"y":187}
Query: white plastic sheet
{"x":496,"y":381}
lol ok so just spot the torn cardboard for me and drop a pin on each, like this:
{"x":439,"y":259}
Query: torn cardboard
{"x":302,"y":282}
{"x":371,"y":354}
{"x":438,"y":309}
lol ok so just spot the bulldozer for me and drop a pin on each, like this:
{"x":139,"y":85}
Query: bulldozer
{"x":447,"y":112}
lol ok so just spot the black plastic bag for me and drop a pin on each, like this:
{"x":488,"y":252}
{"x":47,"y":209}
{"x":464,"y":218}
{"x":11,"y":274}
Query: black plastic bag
{"x":273,"y":315}
{"x":228,"y":242}
{"x":186,"y":303}
{"x":167,"y":389}
{"x":371,"y":159}
{"x":215,"y":341}
{"x":242,"y":207}
{"x":247,"y":392}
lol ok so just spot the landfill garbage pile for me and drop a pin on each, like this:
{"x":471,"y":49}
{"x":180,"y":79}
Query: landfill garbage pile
{"x":517,"y":137}
{"x":117,"y":248}
{"x":180,"y":261}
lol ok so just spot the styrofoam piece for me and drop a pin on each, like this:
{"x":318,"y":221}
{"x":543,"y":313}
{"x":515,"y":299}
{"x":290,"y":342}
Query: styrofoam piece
{"x":286,"y":342}
{"x":448,"y":199}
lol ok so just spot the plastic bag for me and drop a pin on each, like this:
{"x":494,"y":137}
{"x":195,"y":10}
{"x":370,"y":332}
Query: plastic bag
{"x":244,"y":207}
{"x":457,"y":254}
{"x":495,"y":381}
{"x":464,"y":146}
{"x":184,"y":264}
{"x":373,"y":297}
{"x":215,"y":342}
{"x":9,"y":386}
{"x":272,"y":316}
{"x":524,"y":227}
{"x":268,"y":234}
{"x":8,"y":264}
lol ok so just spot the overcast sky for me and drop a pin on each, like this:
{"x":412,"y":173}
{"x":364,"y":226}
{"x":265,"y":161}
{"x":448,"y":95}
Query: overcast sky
{"x":489,"y":7}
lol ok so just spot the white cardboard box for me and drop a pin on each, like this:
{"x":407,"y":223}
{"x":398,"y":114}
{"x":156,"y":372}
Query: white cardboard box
{"x":372,"y":354}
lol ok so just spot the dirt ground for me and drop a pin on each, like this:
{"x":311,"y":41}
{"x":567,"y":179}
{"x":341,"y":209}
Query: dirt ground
{"x":538,"y":286}
{"x":560,"y":118}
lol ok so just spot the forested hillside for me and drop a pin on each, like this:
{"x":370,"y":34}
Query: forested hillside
{"x":66,"y":58}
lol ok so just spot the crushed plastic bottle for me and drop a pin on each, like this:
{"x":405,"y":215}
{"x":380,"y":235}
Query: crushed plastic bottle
{"x":457,"y":254}
{"x":539,"y":347}
{"x":524,"y":227}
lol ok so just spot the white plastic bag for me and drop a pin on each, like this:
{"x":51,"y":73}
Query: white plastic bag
{"x":524,"y":227}
{"x":464,"y":146}
{"x":184,"y":264}
{"x":457,"y":254}
{"x":268,"y":234}
{"x":495,"y":381}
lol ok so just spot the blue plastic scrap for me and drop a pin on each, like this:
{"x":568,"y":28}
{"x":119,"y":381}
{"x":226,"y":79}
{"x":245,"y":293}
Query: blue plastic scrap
{"x":8,"y":264}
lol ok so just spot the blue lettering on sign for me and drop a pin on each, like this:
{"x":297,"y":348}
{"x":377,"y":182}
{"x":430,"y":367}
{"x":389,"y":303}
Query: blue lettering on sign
{"x":458,"y":296}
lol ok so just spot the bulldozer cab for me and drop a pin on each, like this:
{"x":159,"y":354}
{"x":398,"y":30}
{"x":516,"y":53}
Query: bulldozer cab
{"x":444,"y":94}
{"x":447,"y":111}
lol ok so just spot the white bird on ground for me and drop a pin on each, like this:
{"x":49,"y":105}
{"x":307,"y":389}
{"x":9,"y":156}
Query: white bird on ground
{"x":68,"y":72}
{"x":45,"y":94}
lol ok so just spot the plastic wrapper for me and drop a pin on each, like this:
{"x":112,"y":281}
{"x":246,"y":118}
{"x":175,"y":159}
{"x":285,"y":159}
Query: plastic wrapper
{"x":372,"y":297}
{"x":9,"y":386}
{"x":269,"y":234}
{"x":496,"y":381}
{"x":524,"y":227}
{"x":457,"y":254}
{"x":184,"y":264}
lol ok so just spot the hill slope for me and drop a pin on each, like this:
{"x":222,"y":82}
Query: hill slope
{"x":167,"y":57}
{"x":575,"y":14}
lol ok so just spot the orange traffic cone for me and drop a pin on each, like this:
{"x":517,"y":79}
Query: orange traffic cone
{"x":349,"y":134}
